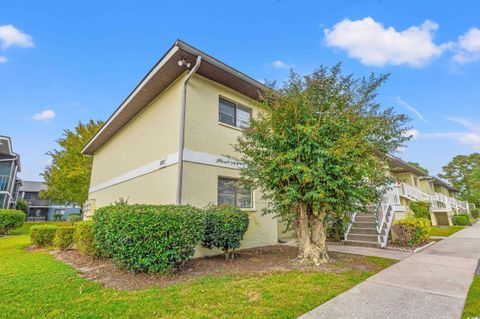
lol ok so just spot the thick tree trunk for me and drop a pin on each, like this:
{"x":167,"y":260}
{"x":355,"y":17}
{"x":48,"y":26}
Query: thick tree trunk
{"x":302,"y":231}
{"x":311,"y":237}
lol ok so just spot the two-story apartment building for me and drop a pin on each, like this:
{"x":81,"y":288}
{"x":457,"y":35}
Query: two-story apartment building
{"x":165,"y":143}
{"x":9,"y":167}
{"x":40,"y":209}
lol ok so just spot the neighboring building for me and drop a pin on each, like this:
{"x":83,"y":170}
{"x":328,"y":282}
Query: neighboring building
{"x":412,"y":184}
{"x":43,"y":209}
{"x":145,"y":154}
{"x":9,"y":167}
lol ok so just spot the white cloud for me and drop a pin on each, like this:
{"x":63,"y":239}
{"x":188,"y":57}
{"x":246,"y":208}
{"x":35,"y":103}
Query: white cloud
{"x":470,"y":136}
{"x":373,"y":44}
{"x":468,"y":47}
{"x":11,"y":36}
{"x":410,"y":108}
{"x":3,"y":59}
{"x":280,"y":65}
{"x":44,"y":115}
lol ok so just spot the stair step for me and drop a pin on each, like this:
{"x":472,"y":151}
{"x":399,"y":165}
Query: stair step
{"x":360,"y":243}
{"x":365,"y":231}
{"x":365,"y":219}
{"x":364,"y":224}
{"x":363,"y":237}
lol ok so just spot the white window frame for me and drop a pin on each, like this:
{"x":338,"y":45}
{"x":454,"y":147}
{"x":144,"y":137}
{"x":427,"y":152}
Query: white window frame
{"x":251,"y":207}
{"x":237,"y":106}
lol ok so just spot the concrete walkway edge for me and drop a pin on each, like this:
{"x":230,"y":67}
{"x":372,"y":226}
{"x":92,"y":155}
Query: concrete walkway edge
{"x":431,"y":284}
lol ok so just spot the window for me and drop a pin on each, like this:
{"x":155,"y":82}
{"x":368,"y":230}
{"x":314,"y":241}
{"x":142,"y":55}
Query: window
{"x":233,"y":114}
{"x":60,"y":212}
{"x":232,"y":194}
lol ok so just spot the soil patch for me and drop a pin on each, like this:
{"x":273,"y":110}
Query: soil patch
{"x":263,"y":260}
{"x":395,"y":246}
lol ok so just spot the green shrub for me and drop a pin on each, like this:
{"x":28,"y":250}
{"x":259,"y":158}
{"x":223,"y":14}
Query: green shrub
{"x":84,"y":240}
{"x":475,"y":213}
{"x":148,"y":237}
{"x":10,"y":219}
{"x":337,"y":224}
{"x":64,"y":237}
{"x":224,"y":229}
{"x":410,"y":231}
{"x":421,"y":209}
{"x":74,"y":218}
{"x":22,"y":205}
{"x":43,"y":235}
{"x":461,"y":220}
{"x":57,"y":216}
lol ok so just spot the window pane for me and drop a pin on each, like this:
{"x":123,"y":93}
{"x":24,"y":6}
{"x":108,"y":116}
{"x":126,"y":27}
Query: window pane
{"x":244,"y":197}
{"x":226,"y":191}
{"x":243,"y":117}
{"x":226,"y":112}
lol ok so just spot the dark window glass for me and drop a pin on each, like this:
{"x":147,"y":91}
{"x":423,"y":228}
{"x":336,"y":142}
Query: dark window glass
{"x":227,"y":112}
{"x":232,"y":114}
{"x":230,"y":193}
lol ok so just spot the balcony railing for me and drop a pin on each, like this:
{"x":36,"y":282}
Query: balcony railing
{"x":413,"y":193}
{"x":39,"y":202}
{"x":4,"y":179}
{"x":438,"y":202}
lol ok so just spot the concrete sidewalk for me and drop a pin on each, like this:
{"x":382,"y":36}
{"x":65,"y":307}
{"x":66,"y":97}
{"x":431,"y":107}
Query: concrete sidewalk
{"x":431,"y":284}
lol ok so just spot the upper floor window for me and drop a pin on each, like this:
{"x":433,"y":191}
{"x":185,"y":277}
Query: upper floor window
{"x":233,"y":114}
{"x":232,"y":194}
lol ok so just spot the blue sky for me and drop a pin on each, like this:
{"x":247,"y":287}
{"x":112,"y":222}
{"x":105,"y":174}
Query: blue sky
{"x":62,"y":62}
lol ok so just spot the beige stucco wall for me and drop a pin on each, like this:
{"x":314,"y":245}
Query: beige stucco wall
{"x":153,"y":134}
{"x":200,"y":189}
{"x":203,"y":131}
{"x":158,"y":187}
{"x":150,"y":136}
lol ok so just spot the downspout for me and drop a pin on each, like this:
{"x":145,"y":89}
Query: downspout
{"x":182,"y":129}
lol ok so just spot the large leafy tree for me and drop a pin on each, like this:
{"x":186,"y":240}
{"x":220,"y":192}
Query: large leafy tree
{"x":68,"y":177}
{"x":319,"y":148}
{"x":463,"y":172}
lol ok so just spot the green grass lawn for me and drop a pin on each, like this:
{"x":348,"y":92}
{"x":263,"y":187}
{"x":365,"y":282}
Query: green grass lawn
{"x":472,"y":305}
{"x":35,"y":285}
{"x":444,"y":230}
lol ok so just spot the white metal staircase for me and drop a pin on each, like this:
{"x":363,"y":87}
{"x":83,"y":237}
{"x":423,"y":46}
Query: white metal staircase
{"x":372,"y":229}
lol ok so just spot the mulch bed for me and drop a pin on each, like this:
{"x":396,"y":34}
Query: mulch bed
{"x":263,"y":260}
{"x":395,"y":246}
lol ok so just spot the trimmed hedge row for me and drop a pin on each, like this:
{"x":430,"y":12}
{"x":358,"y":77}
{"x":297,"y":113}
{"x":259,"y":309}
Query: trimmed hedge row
{"x":411,"y":231}
{"x":64,"y":237}
{"x":475,"y":213}
{"x":155,"y":238}
{"x":84,"y":240}
{"x":10,"y":219}
{"x":224,"y":229}
{"x":43,"y":235}
{"x":461,"y":220}
{"x":147,"y":237}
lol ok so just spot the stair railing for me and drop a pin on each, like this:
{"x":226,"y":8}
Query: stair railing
{"x":352,"y":221}
{"x":389,"y":200}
